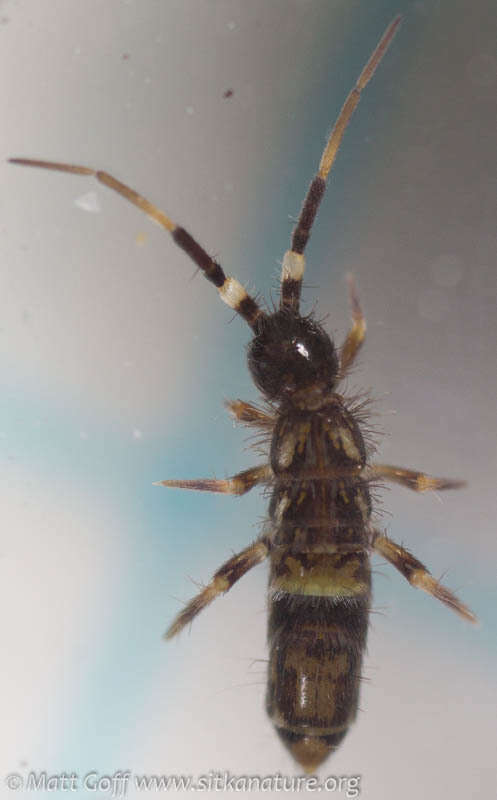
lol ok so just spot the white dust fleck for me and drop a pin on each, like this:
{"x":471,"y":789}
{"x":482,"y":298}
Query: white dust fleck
{"x":89,"y":202}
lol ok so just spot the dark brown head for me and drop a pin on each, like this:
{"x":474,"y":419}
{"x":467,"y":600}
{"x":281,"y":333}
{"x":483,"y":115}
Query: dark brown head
{"x":290,"y":356}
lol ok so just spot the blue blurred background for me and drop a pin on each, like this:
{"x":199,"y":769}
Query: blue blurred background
{"x":116,"y":363}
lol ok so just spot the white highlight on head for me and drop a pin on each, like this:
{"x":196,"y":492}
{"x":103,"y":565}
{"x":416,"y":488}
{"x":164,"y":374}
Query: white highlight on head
{"x":302,"y":349}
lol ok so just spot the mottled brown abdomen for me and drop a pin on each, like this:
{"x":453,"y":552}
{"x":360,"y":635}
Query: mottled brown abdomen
{"x":320,"y":582}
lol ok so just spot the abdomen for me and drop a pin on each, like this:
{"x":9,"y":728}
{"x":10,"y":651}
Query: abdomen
{"x":316,"y":646}
{"x":320,"y":581}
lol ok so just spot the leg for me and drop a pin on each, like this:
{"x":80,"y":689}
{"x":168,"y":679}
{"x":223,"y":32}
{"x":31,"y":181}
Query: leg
{"x":230,"y":290}
{"x":293,"y":261}
{"x":250,"y":414}
{"x":239,"y":484}
{"x":223,"y":580}
{"x":417,"y":574}
{"x":418,"y":481}
{"x":357,"y":333}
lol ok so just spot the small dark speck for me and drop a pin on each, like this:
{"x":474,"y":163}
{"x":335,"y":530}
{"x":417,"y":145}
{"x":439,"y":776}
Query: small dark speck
{"x":228,"y":93}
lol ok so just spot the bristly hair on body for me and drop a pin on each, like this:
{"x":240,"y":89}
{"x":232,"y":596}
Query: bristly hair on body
{"x":317,"y":447}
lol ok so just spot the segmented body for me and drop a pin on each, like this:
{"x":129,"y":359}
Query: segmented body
{"x":320,"y":535}
{"x":319,"y":589}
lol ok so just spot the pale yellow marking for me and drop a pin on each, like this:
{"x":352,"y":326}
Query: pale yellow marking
{"x":341,"y":439}
{"x":424,"y":483}
{"x":286,"y":449}
{"x":321,"y":579}
{"x":301,"y":498}
{"x":261,"y":550}
{"x":304,"y":430}
{"x":362,"y":505}
{"x":349,"y":445}
{"x":282,"y":506}
{"x":293,"y":266}
{"x":219,"y":585}
{"x":232,"y":293}
{"x":335,"y":439}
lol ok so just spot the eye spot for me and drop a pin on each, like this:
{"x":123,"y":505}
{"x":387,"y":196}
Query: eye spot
{"x":302,"y":349}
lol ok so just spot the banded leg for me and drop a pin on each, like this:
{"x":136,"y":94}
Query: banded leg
{"x":417,"y":574}
{"x":239,"y":484}
{"x":357,"y":333}
{"x":411,"y":479}
{"x":250,"y":414}
{"x":293,"y":260}
{"x":222,"y":580}
{"x":230,"y":290}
